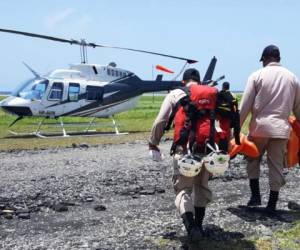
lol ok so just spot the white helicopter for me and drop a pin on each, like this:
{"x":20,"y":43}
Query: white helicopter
{"x":84,"y":90}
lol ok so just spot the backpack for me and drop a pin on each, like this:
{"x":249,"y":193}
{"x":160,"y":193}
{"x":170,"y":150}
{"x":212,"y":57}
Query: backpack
{"x":194,"y":121}
{"x":228,"y":115}
{"x":226,"y":103}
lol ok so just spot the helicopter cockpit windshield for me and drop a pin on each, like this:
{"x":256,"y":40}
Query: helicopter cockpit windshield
{"x":33,"y":89}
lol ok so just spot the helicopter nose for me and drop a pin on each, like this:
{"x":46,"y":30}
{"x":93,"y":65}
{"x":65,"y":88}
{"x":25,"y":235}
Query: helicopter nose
{"x":20,"y":111}
{"x":16,"y":106}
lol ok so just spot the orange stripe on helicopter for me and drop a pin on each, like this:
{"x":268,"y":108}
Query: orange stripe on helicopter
{"x":162,"y":68}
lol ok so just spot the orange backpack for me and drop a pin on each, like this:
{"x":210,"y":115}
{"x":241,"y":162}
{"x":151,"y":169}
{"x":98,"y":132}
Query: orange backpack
{"x":194,"y":122}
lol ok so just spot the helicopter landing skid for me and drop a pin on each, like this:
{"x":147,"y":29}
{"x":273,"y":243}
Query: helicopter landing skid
{"x":116,"y":128}
{"x":38,"y":132}
{"x":86,"y":132}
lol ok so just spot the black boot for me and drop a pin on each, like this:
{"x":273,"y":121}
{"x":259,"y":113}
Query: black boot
{"x":294,"y":205}
{"x":199,"y":216}
{"x":273,"y":198}
{"x":194,"y":233}
{"x":255,"y":193}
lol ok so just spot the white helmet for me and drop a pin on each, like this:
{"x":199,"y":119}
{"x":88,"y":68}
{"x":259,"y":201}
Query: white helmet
{"x":188,"y":165}
{"x":217,"y":161}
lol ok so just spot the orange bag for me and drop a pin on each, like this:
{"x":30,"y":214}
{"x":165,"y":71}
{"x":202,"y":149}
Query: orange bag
{"x":246,"y":148}
{"x":293,"y":146}
{"x":292,"y":150}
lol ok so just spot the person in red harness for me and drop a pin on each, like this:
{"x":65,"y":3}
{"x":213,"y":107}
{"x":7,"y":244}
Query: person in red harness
{"x":183,"y":186}
{"x":194,"y":117}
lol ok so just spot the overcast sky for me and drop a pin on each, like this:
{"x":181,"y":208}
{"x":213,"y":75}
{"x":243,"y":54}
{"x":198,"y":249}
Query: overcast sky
{"x":232,"y":30}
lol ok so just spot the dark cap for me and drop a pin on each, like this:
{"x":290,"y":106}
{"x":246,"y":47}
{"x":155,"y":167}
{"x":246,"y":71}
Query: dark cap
{"x":191,"y":74}
{"x":226,"y":85}
{"x":270,"y":51}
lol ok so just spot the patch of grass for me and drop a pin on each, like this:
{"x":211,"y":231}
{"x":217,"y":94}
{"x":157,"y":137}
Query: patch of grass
{"x":263,"y":244}
{"x":289,"y":239}
{"x":162,"y":243}
{"x":282,"y":239}
{"x":138,"y":121}
{"x":38,"y":143}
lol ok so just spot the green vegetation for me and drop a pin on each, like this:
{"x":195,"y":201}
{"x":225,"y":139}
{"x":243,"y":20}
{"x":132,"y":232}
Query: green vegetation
{"x":287,"y":239}
{"x":137,"y":122}
{"x":283,"y":239}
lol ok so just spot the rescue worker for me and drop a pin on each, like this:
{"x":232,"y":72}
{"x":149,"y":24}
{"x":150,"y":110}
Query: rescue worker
{"x":271,"y":94}
{"x":228,"y":116}
{"x":192,"y":212}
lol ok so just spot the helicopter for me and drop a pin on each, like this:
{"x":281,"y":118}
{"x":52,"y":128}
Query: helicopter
{"x":85,"y":90}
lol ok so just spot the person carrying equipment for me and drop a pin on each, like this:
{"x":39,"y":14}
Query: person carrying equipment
{"x":271,"y":94}
{"x":194,"y":118}
{"x":182,"y":185}
{"x":228,"y":116}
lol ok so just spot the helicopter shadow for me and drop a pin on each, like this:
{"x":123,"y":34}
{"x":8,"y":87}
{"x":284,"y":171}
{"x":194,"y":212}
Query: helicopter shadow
{"x":214,"y":238}
{"x":252,"y":214}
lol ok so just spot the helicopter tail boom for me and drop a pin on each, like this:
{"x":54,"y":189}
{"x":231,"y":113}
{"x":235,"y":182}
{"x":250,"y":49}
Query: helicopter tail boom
{"x":154,"y":86}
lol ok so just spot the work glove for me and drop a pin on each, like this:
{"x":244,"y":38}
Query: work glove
{"x":154,"y":153}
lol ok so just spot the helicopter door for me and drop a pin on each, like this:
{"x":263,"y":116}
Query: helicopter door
{"x":73,"y":92}
{"x":94,"y":93}
{"x":53,"y":103}
{"x":74,"y":98}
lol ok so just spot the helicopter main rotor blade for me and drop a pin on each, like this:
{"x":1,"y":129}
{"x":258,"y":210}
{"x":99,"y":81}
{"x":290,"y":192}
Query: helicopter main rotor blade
{"x":57,"y":39}
{"x":190,"y":61}
{"x":93,"y":45}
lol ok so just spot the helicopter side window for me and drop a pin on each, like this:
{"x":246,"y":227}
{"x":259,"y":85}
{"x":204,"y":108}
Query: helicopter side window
{"x":74,"y":89}
{"x":108,"y":71}
{"x":112,"y":72}
{"x":56,"y":92}
{"x":117,"y":73}
{"x":94,"y":93}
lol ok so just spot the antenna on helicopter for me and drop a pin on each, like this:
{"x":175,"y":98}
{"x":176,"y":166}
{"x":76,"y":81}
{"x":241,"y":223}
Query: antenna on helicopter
{"x":83,"y":46}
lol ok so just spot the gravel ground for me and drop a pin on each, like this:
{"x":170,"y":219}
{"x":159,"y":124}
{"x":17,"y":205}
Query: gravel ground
{"x":115,"y":197}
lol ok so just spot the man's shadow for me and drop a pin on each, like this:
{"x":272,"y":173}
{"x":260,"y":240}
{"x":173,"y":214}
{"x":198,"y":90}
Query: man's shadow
{"x":251,"y":214}
{"x":214,"y":238}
